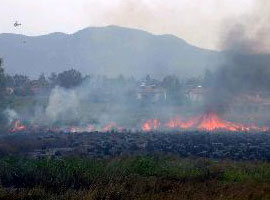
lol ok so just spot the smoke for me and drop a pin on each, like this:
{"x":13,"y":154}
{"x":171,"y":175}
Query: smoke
{"x":249,"y":34}
{"x":63,"y":105}
{"x":11,"y":115}
{"x":247,"y":50}
{"x":100,"y":101}
{"x":93,"y":102}
{"x":246,"y":45}
{"x":178,"y":17}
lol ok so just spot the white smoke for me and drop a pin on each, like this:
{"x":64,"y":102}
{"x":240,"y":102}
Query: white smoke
{"x":10,"y":115}
{"x":63,"y":104}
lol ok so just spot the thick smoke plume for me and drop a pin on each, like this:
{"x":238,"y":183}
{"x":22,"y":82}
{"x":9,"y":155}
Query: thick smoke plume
{"x":246,"y":45}
{"x":250,"y":33}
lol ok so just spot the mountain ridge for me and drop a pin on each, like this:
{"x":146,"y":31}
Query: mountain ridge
{"x":110,"y":50}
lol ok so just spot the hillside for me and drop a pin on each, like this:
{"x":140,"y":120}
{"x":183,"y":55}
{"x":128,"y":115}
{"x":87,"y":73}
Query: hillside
{"x":105,"y":50}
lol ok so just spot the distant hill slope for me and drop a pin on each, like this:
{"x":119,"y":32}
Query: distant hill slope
{"x":107,"y":50}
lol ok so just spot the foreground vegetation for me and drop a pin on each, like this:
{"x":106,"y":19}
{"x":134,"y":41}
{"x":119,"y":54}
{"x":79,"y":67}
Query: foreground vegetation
{"x":140,"y":177}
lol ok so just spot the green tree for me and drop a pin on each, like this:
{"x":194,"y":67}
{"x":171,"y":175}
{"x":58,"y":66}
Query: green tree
{"x":43,"y":82}
{"x":70,"y":78}
{"x":148,"y":78}
{"x":121,"y":81}
{"x":171,"y":83}
{"x":53,"y":79}
{"x":208,"y":78}
{"x":174,"y":89}
{"x":2,"y":94}
{"x":21,"y":85}
{"x":20,"y":80}
{"x":9,"y":81}
{"x":2,"y":79}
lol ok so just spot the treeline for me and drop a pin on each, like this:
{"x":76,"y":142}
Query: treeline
{"x":22,"y":85}
{"x":13,"y":88}
{"x":101,"y":86}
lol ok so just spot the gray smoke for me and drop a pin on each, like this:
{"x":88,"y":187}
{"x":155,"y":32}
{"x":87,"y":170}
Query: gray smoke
{"x":81,"y":106}
{"x":63,"y":104}
{"x":10,"y":115}
{"x":99,"y":101}
{"x":246,"y":45}
{"x":248,"y":34}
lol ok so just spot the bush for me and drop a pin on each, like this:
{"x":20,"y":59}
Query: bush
{"x":141,"y":177}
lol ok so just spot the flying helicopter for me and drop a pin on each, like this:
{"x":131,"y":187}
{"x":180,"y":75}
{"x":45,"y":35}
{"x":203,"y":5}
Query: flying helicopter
{"x":16,"y":24}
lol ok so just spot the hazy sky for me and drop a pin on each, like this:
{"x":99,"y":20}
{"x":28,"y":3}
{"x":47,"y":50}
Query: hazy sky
{"x":197,"y":21}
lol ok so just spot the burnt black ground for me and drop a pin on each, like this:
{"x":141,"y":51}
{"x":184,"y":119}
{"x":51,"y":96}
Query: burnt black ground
{"x":236,"y":146}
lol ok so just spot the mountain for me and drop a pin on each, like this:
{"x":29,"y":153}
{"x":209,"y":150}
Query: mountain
{"x":110,"y":50}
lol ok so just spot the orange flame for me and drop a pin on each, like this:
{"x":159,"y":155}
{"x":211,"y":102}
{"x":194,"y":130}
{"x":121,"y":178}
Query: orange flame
{"x":18,"y":126}
{"x":180,"y":123}
{"x":151,"y":124}
{"x":206,"y":122}
{"x":112,"y":126}
{"x":211,"y":122}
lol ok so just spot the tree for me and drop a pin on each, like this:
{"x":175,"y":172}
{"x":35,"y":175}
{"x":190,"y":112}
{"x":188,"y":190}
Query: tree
{"x":20,"y":81}
{"x":43,"y":83}
{"x":171,"y":83}
{"x":2,"y":80}
{"x":208,"y":78}
{"x":70,"y":78}
{"x":53,"y":79}
{"x":174,"y":89}
{"x":121,"y":80}
{"x":2,"y":93}
{"x":148,"y":78}
{"x":9,"y":81}
{"x":21,"y":85}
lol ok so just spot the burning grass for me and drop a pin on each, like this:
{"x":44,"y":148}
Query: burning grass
{"x":211,"y":122}
{"x":206,"y":122}
{"x":140,"y":177}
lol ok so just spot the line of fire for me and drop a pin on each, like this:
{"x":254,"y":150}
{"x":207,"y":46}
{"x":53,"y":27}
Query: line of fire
{"x":253,"y":106}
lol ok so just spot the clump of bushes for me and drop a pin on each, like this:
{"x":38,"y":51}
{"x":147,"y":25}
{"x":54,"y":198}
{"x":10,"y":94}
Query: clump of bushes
{"x":141,"y":177}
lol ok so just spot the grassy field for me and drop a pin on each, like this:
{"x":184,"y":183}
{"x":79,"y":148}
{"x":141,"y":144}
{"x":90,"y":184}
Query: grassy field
{"x":133,"y":178}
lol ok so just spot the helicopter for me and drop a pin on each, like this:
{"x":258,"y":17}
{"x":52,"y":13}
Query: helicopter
{"x":16,"y":24}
